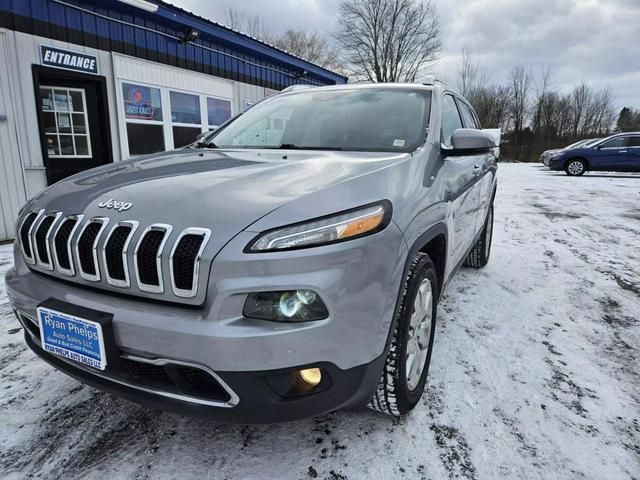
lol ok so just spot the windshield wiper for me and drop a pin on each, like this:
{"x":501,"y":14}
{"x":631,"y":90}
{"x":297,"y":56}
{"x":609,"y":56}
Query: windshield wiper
{"x":287,"y":146}
{"x":206,"y":145}
{"x":291,"y":146}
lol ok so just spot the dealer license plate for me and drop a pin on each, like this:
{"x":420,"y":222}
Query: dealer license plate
{"x":72,"y":337}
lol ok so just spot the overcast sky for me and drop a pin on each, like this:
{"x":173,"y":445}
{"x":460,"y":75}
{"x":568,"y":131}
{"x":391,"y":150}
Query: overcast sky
{"x":591,"y":41}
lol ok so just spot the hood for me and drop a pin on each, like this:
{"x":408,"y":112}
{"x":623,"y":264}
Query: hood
{"x":224,"y":190}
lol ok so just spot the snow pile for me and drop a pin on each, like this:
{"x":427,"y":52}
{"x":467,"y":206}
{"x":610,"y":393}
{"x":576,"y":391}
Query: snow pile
{"x":534,"y":375}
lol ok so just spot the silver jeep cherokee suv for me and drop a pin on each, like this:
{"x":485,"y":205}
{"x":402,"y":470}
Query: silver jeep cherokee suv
{"x":286,"y":265}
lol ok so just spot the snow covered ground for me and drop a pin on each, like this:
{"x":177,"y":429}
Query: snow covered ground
{"x":535,"y":373}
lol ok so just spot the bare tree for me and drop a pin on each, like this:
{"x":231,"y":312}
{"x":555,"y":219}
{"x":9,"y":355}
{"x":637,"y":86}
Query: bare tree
{"x":520,"y":81}
{"x":470,"y":76}
{"x":310,"y":46}
{"x":253,"y":26}
{"x":388,"y":40}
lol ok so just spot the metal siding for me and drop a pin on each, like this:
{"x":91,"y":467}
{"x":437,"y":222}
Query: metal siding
{"x":12,"y":193}
{"x":79,"y":26}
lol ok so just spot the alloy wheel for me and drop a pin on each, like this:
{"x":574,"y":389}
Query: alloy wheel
{"x":419,"y":334}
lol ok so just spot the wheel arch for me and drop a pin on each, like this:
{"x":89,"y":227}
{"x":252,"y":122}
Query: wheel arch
{"x":434,"y":243}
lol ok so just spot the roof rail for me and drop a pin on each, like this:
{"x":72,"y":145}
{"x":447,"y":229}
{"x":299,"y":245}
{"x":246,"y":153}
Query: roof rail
{"x":293,"y":88}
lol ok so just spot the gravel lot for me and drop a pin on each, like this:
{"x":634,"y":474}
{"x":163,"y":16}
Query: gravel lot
{"x":535,"y":372}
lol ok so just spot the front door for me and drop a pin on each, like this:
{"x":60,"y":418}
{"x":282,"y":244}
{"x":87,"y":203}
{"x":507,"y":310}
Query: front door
{"x":463,"y":185}
{"x":610,"y":155}
{"x":73,"y":125}
{"x":633,"y":146}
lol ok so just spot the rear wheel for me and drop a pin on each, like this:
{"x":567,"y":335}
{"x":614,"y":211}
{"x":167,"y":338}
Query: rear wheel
{"x":407,"y":363}
{"x":479,"y":255}
{"x":575,"y":167}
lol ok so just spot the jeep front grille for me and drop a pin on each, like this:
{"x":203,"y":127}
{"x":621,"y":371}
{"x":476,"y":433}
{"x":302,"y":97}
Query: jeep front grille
{"x":116,"y":255}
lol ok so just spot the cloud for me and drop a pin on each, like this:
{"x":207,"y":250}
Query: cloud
{"x":591,"y":41}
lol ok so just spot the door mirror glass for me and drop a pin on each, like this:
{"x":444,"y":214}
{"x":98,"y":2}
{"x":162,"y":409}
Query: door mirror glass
{"x":465,"y":141}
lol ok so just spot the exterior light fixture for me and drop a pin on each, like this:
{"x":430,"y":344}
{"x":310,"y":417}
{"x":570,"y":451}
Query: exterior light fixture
{"x":142,"y":4}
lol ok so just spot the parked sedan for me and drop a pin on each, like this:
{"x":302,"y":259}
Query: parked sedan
{"x":548,"y":154}
{"x":617,"y":153}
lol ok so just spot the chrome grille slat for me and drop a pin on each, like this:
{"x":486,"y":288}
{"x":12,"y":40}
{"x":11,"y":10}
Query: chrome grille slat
{"x":142,"y":285}
{"x":91,"y":244}
{"x":178,"y":289}
{"x":63,"y":253}
{"x":40,"y":239}
{"x":102,"y":252}
{"x":27,"y":231}
{"x":123,"y":280}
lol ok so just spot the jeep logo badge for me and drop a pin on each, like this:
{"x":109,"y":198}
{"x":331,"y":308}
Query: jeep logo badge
{"x":119,"y":206}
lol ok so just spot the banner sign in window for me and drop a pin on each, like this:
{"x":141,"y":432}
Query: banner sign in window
{"x":59,"y":58}
{"x":141,"y":102}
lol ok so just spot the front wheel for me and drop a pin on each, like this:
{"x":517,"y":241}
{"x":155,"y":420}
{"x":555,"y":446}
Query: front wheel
{"x":405,"y":371}
{"x":575,"y":168}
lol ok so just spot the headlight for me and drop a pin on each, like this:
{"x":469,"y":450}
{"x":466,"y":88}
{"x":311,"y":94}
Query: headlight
{"x":286,"y":306}
{"x":322,"y":231}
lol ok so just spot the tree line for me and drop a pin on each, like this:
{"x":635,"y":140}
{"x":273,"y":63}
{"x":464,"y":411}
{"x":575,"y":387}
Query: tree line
{"x":400,"y":41}
{"x":532,"y":114}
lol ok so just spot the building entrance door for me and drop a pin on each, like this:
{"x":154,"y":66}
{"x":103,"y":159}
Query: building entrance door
{"x":73,"y":124}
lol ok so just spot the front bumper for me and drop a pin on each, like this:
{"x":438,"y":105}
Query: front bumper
{"x":358,"y":281}
{"x":555,"y":163}
{"x":257,"y":400}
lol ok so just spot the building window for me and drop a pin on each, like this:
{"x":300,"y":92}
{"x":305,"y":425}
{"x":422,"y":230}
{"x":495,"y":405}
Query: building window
{"x":218,"y":111}
{"x":157,"y":118}
{"x":66,"y":127}
{"x":185,"y":114}
{"x":144,"y":119}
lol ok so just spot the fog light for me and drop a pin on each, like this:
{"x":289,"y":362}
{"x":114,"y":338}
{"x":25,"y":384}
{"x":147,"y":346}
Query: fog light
{"x":285,"y":306}
{"x":311,"y":376}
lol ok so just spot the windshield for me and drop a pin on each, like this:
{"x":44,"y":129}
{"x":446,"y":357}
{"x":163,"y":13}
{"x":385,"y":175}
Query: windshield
{"x":358,"y":120}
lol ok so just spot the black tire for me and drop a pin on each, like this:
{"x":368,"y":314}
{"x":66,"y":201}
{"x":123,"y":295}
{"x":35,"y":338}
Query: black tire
{"x":479,"y":255}
{"x":393,"y":395}
{"x":575,"y":167}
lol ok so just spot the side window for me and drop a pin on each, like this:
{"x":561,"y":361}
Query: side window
{"x":634,"y":142}
{"x":467,"y":116}
{"x":451,"y":120}
{"x":615,"y":143}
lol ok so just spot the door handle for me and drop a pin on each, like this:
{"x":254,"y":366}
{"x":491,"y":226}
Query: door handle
{"x":3,"y":118}
{"x":622,"y":151}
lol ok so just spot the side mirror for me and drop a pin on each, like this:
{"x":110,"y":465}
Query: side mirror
{"x":467,"y":141}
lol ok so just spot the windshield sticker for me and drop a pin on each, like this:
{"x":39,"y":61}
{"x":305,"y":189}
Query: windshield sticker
{"x":398,"y":142}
